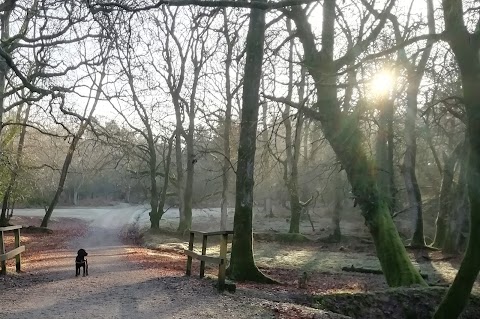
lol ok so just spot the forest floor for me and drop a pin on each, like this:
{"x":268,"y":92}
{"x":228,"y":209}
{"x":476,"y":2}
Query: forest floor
{"x":359,"y":295}
{"x":120,"y":284}
{"x":135,"y":273}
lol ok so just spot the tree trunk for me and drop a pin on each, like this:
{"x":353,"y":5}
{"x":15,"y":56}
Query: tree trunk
{"x":409,"y":162}
{"x":268,"y":207}
{"x":384,"y":152}
{"x":71,"y":151}
{"x":127,"y":192}
{"x":63,"y":176}
{"x":396,"y":265}
{"x":180,"y":181}
{"x":305,"y":137}
{"x":227,"y":124}
{"x":292,"y":145}
{"x":5,"y":22}
{"x":295,"y":213}
{"x":459,"y":292}
{"x":163,"y":194}
{"x":465,"y":47}
{"x":415,"y":74}
{"x":4,"y":218}
{"x":459,"y":214}
{"x":154,"y":209}
{"x":186,"y":223}
{"x":242,"y":264}
{"x":155,"y":214}
{"x":344,"y":135}
{"x":336,"y":235}
{"x":446,"y":198}
{"x":75,"y":196}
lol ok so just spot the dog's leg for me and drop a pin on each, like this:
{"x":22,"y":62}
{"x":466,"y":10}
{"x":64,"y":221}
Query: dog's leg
{"x":86,"y":267}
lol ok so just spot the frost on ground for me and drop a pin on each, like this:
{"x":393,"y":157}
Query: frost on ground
{"x":118,"y":286}
{"x":129,"y":281}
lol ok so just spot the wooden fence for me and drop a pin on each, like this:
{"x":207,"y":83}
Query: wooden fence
{"x":4,"y":256}
{"x":220,"y":261}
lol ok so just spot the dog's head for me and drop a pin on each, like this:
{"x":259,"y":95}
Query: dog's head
{"x":82,"y":253}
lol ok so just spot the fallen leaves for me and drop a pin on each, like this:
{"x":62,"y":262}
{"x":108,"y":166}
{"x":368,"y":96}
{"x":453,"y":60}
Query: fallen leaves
{"x":42,"y":249}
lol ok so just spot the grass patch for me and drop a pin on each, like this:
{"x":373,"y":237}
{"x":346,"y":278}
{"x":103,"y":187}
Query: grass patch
{"x":286,"y":238}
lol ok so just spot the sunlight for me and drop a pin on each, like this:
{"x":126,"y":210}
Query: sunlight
{"x":382,"y":84}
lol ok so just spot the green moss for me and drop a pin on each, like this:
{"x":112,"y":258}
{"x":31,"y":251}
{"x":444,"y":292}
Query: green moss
{"x":394,"y":260}
{"x":396,"y":303}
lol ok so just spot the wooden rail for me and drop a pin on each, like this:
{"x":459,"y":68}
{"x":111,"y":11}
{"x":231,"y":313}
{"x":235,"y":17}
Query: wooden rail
{"x":13,"y":253}
{"x":220,"y":261}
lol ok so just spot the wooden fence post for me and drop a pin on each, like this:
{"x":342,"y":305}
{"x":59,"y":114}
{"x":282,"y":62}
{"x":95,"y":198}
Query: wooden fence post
{"x":3,"y":271}
{"x":223,"y":262}
{"x":189,"y":258}
{"x":204,"y":251}
{"x":17,"y":244}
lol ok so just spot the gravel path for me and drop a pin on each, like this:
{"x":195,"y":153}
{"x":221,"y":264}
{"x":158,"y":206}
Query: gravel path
{"x":116,"y":288}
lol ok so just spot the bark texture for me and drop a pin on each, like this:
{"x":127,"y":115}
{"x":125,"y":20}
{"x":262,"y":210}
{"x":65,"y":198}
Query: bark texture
{"x":465,"y":47}
{"x":344,"y":135}
{"x":458,"y":215}
{"x":446,"y":198}
{"x":242,"y":264}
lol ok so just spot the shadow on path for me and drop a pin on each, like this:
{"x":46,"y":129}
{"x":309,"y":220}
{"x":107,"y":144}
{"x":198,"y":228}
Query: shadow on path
{"x":115,"y":287}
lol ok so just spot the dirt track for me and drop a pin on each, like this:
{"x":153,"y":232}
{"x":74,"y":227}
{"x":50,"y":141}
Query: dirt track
{"x":116,"y":288}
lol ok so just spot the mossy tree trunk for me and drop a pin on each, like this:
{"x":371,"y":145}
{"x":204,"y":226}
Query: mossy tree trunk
{"x":446,"y":196}
{"x":384,"y":152}
{"x":465,"y":46}
{"x":242,"y":264}
{"x":344,"y":135}
{"x":339,"y":196}
{"x":459,"y":213}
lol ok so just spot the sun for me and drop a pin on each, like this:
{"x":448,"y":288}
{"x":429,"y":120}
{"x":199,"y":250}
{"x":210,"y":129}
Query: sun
{"x":382,"y":84}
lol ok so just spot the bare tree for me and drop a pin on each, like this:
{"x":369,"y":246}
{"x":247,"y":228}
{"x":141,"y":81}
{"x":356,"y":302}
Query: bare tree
{"x":344,"y":136}
{"x":85,"y":120}
{"x":465,"y":46}
{"x":184,"y":45}
{"x":242,"y":264}
{"x":230,"y":40}
{"x":16,"y":167}
{"x":415,"y":72}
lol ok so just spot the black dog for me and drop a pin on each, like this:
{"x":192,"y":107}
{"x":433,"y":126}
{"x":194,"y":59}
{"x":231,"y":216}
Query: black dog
{"x":80,"y":262}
